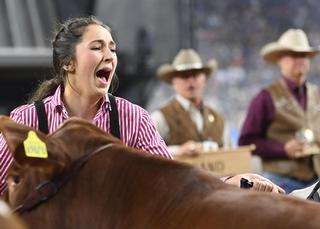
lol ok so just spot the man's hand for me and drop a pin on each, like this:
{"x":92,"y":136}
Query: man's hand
{"x":190,"y":148}
{"x":259,"y":183}
{"x":295,"y":148}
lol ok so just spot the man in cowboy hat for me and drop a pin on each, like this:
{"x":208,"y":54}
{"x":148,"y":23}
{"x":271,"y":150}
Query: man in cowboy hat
{"x":185,"y":122}
{"x":283,"y":120}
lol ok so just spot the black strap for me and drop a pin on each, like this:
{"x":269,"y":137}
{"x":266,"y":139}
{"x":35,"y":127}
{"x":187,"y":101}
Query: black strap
{"x":114,"y":116}
{"x":113,"y":112}
{"x":42,"y":116}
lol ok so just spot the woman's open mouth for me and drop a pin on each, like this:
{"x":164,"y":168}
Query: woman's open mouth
{"x":103,"y":75}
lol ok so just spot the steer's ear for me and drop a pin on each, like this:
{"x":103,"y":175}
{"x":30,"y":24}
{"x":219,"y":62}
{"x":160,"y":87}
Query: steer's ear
{"x":15,"y":133}
{"x":20,"y":138}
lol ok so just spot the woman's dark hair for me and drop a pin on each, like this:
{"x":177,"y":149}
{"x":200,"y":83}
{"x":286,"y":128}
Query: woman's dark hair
{"x":63,"y":51}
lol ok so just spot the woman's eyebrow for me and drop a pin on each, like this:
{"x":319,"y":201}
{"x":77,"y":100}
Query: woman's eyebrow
{"x":98,"y":41}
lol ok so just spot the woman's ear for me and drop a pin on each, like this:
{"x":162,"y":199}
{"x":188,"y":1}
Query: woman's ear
{"x":69,"y":67}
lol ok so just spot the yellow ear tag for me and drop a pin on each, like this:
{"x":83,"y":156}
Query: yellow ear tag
{"x":34,"y":147}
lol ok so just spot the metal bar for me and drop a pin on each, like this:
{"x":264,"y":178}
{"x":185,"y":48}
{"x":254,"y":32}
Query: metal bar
{"x":35,"y":23}
{"x":47,"y":12}
{"x":13,"y":23}
{"x":25,"y":57}
{"x":5,"y":35}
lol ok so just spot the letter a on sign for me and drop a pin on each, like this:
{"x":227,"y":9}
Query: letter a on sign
{"x":34,"y":147}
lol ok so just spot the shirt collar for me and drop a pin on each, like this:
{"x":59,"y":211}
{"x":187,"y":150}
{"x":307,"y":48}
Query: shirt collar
{"x":185,"y":103}
{"x":292,"y":86}
{"x":105,"y":103}
{"x":56,"y":99}
{"x":58,"y":103}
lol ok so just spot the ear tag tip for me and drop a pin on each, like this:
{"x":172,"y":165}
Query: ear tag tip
{"x":34,"y":147}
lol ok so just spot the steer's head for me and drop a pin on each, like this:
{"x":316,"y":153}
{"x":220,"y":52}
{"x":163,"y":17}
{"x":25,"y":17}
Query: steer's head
{"x":38,"y":157}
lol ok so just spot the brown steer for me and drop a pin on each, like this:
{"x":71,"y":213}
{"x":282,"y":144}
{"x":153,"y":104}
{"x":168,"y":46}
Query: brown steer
{"x":121,"y":187}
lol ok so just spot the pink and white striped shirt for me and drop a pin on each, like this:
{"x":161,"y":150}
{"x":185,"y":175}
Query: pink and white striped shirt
{"x":136,"y":127}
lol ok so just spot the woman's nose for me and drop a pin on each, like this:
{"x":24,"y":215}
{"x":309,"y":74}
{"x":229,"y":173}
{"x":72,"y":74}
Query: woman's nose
{"x":108,"y":56}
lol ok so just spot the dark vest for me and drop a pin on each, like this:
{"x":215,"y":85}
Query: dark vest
{"x":183,"y":129}
{"x":289,"y":119}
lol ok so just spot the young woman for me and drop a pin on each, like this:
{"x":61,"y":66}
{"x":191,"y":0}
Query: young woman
{"x":85,"y":61}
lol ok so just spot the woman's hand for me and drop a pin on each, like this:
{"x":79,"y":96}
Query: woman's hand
{"x":259,"y":182}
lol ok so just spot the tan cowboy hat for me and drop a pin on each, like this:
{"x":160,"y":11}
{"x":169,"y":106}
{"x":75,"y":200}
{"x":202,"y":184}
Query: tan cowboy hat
{"x":293,"y":40}
{"x":185,"y":60}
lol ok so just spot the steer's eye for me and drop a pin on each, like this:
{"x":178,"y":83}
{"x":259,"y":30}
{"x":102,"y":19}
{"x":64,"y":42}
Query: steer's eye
{"x":16,"y":179}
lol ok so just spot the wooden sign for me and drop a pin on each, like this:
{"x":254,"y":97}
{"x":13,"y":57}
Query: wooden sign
{"x":222,"y":162}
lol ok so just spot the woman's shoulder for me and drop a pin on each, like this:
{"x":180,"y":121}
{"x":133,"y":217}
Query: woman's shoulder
{"x":25,"y":108}
{"x":24,"y":114}
{"x":132,"y":111}
{"x":124,"y":104}
{"x":28,"y":108}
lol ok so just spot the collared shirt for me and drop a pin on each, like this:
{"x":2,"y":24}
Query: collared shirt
{"x":299,"y":92}
{"x":195,"y":113}
{"x":259,"y":117}
{"x":136,"y":127}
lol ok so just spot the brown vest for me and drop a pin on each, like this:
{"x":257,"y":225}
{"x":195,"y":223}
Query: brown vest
{"x":289,"y":119}
{"x":183,"y":129}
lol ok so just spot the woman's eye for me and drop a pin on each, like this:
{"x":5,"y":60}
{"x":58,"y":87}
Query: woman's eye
{"x":96,"y":48}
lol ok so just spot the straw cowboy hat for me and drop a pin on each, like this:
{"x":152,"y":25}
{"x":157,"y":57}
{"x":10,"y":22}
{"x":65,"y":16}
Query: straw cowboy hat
{"x":293,"y":40}
{"x":185,"y":60}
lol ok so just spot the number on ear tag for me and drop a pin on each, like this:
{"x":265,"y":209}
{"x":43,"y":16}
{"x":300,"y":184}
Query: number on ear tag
{"x":34,"y":147}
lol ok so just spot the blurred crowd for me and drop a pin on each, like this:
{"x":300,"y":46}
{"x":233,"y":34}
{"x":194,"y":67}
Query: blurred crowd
{"x":233,"y":32}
